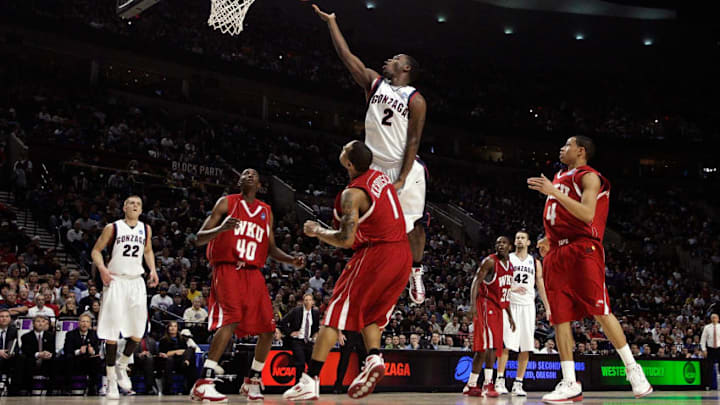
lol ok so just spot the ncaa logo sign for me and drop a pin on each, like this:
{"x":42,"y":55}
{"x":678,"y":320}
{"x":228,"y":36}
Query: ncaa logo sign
{"x":281,"y":369}
{"x":463,"y":369}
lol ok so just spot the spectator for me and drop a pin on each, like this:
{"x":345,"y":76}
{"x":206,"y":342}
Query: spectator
{"x":161,"y":301}
{"x":38,"y":352}
{"x":467,"y":345}
{"x":349,"y":342}
{"x":302,"y":325}
{"x":144,"y":363}
{"x":414,"y":342}
{"x":316,"y":282}
{"x":41,"y":309}
{"x":10,"y":303}
{"x":8,"y":348}
{"x":195,"y":319}
{"x":710,"y":344}
{"x":82,"y":349}
{"x":452,"y":328}
{"x":176,"y":311}
{"x":593,"y":350}
{"x":70,"y":310}
{"x":177,"y":357}
{"x":94,"y":310}
{"x":75,"y":234}
{"x":389,"y":343}
{"x":402,"y":342}
{"x":435,"y":342}
{"x":86,"y":302}
{"x":193,"y":291}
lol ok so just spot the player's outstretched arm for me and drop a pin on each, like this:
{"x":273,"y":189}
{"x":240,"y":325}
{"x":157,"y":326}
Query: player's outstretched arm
{"x":362,"y":75}
{"x":416,"y":124}
{"x":150,"y":259}
{"x":276,"y":253}
{"x":486,"y":266}
{"x":344,"y":237}
{"x":96,"y":253}
{"x":210,"y":228}
{"x":583,"y":210}
{"x":540,"y":283}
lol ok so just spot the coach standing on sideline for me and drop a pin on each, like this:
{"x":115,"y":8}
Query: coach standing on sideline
{"x":302,"y":325}
{"x":710,"y":343}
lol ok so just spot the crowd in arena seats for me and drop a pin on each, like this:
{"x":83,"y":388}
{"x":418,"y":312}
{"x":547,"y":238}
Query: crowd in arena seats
{"x":496,"y":99}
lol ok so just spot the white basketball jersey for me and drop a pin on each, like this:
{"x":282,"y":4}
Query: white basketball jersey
{"x":128,"y":249}
{"x":523,"y":276}
{"x":386,"y":122}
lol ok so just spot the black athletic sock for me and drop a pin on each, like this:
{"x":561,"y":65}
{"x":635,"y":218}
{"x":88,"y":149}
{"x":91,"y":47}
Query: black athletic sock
{"x":255,"y":373}
{"x":417,"y":264}
{"x":130,"y":346}
{"x":314,"y":368}
{"x":208,"y":373}
{"x":110,"y":354}
{"x":374,"y":351}
{"x":518,"y":380}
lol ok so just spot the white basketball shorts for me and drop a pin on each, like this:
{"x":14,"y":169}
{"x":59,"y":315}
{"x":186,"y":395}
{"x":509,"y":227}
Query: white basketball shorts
{"x":523,"y":339}
{"x":123,"y":308}
{"x":412,"y":195}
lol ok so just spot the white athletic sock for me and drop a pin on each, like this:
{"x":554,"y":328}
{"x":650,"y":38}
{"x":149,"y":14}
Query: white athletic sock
{"x":124,"y":359}
{"x":210,"y":364}
{"x":472,"y":382}
{"x":626,"y":355}
{"x":488,"y":376}
{"x":568,"y":370}
{"x":257,"y":366}
{"x":110,"y":373}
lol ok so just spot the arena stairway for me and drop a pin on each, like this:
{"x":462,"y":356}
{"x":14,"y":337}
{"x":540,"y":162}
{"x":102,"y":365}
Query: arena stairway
{"x":31,"y":228}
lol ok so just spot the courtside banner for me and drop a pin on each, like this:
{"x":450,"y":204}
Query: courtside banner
{"x":426,"y":370}
{"x":611,"y":372}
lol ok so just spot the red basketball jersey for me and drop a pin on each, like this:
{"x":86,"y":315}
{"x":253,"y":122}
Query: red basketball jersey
{"x":561,"y":227}
{"x":248,"y":243}
{"x":497,"y":290}
{"x":384,"y":221}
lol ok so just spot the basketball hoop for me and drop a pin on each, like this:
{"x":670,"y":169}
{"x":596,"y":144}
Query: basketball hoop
{"x":228,"y":15}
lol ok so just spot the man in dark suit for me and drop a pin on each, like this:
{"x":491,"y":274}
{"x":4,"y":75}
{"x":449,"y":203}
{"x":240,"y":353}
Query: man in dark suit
{"x":8,"y":349}
{"x":82,"y":348}
{"x":37,"y":352}
{"x":302,"y":325}
{"x":145,"y":354}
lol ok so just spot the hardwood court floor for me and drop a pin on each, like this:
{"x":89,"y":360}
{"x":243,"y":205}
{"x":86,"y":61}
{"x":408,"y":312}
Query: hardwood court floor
{"x":410,"y":398}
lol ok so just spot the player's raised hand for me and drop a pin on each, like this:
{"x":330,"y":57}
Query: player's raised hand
{"x":229,"y":223}
{"x":310,"y":228}
{"x":541,"y":184}
{"x":323,"y":15}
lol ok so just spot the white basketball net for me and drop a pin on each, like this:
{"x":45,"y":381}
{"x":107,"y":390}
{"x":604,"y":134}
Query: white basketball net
{"x":228,"y":15}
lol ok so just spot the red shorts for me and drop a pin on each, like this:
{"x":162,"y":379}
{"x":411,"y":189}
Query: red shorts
{"x":575,"y":281}
{"x":487,"y":327}
{"x":240,"y":296}
{"x":369,"y":287}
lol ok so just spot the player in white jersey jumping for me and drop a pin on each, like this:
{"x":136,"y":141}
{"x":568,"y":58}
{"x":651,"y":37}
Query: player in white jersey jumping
{"x":393,"y":128}
{"x":124,"y":300}
{"x":527,"y":274}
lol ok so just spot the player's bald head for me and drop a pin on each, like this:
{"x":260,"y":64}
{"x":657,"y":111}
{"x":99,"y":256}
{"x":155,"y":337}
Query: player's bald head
{"x":359,"y":155}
